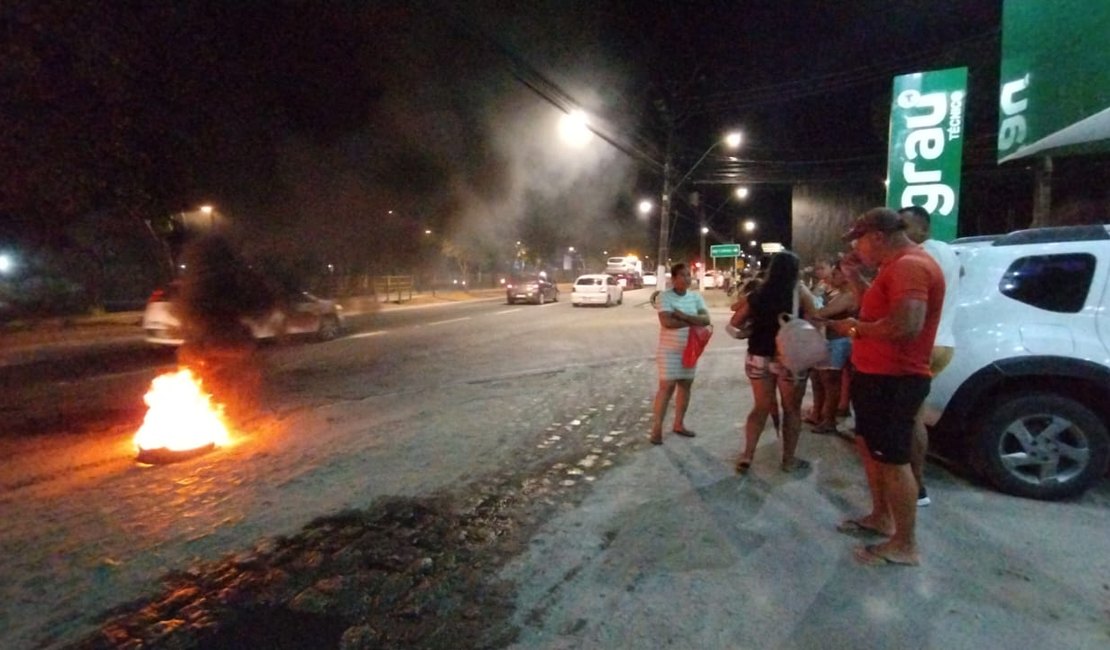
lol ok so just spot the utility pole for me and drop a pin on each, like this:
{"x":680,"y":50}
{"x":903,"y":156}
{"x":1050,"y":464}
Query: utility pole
{"x":665,"y":218}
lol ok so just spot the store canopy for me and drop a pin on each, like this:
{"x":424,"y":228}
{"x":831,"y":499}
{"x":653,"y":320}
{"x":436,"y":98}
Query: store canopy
{"x":1055,"y":91}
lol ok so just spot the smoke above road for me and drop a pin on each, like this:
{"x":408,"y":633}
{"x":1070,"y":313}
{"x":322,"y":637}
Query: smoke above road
{"x":453,"y":143}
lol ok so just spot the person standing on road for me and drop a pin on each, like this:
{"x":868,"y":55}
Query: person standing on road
{"x":679,"y":308}
{"x":917,"y":228}
{"x":774,"y":296}
{"x":840,"y":302}
{"x":891,"y":344}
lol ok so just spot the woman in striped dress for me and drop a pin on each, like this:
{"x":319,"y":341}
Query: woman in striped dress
{"x":679,"y":308}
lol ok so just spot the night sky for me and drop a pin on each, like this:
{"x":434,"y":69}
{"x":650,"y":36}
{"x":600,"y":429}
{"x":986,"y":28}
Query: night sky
{"x":306,"y":123}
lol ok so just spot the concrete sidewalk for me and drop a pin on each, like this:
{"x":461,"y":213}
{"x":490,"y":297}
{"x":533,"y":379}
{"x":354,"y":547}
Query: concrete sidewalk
{"x":674,"y":549}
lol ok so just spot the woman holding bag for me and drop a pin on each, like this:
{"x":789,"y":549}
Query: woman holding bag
{"x":679,"y":309}
{"x":774,"y":297}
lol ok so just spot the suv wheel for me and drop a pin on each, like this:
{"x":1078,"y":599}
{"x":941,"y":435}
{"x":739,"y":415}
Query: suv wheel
{"x":329,"y":328}
{"x":1042,"y":446}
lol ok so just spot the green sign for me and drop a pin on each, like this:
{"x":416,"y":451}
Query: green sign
{"x":1055,"y":78}
{"x":724,"y":250}
{"x":927,"y":145}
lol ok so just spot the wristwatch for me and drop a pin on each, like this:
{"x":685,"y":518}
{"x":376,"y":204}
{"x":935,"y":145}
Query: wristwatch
{"x":853,"y":332}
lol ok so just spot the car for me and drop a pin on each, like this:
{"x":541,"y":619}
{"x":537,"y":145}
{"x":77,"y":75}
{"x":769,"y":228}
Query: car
{"x":1026,"y":392}
{"x":650,"y":280}
{"x":596,"y":289}
{"x":629,"y":280}
{"x":531,"y":288}
{"x":300,"y":313}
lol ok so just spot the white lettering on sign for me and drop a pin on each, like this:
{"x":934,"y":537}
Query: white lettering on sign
{"x":1012,"y":131}
{"x":925,"y":141}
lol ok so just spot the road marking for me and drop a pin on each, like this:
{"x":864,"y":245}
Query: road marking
{"x":507,"y":311}
{"x":451,"y":320}
{"x":365,"y":334}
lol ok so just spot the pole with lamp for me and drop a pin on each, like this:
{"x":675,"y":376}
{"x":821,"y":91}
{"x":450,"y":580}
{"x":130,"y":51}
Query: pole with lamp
{"x":732,"y":140}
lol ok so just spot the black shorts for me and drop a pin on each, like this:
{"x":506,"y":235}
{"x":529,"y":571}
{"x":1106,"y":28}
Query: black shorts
{"x":885,"y":407}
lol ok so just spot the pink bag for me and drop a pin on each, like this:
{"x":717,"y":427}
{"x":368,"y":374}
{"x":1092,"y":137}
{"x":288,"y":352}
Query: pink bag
{"x":696,"y":341}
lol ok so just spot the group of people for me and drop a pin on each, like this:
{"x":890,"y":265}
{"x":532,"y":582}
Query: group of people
{"x":885,"y":308}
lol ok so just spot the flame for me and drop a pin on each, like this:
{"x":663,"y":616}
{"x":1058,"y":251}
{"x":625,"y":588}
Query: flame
{"x":181,"y":416}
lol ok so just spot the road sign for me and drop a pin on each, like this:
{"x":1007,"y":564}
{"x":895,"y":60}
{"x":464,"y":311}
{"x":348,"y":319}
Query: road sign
{"x":724,"y":250}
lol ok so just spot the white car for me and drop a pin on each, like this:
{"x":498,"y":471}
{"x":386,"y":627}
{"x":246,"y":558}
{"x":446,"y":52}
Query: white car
{"x":596,"y":289}
{"x":301,"y":313}
{"x":650,"y":280}
{"x":1026,"y":393}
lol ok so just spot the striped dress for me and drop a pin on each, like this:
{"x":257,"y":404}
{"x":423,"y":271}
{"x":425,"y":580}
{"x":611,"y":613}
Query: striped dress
{"x":672,"y":342}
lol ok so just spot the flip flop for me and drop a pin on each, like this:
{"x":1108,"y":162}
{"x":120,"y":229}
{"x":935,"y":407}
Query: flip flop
{"x":870,"y":556}
{"x":684,"y":432}
{"x":855,"y":528}
{"x":656,"y":440}
{"x":743,"y":466}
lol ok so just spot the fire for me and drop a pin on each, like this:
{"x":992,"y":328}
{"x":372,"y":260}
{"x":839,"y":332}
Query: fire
{"x":181,"y":416}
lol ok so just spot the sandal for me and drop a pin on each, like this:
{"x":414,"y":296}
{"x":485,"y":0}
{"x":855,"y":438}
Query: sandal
{"x":795,"y":465}
{"x":684,"y":432}
{"x":742,"y":466}
{"x":656,"y":439}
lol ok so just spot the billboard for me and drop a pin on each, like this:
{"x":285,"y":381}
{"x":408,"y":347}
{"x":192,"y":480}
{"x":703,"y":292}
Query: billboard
{"x":926,"y":146}
{"x":1055,"y":78}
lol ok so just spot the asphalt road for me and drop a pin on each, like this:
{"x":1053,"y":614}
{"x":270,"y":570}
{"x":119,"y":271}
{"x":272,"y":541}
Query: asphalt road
{"x":669,"y":548}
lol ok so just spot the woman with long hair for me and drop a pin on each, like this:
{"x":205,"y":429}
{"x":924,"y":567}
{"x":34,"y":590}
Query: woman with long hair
{"x":775,"y":296}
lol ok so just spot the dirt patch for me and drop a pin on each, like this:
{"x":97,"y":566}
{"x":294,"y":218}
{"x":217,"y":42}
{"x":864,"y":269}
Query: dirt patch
{"x":405,"y":573}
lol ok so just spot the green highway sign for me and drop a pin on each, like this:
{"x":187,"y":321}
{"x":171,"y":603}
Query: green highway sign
{"x":724,"y":250}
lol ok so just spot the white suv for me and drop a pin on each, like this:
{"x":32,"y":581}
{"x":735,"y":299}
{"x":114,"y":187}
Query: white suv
{"x":1028,"y":388}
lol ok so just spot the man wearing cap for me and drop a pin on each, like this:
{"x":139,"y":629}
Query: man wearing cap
{"x":892,"y":342}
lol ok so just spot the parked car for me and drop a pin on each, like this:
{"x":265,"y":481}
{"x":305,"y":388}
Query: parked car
{"x":1027,"y":389}
{"x":650,"y":280}
{"x":532,"y":288}
{"x":596,"y":289}
{"x":299,"y":314}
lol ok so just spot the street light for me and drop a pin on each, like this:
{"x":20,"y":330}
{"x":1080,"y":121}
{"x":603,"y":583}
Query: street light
{"x":701,"y":279}
{"x":731,"y":140}
{"x":645,"y":206}
{"x":749,"y":226}
{"x":741,"y":192}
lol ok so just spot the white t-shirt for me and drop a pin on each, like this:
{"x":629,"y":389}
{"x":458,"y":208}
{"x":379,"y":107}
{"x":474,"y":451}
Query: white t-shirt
{"x":949,"y":265}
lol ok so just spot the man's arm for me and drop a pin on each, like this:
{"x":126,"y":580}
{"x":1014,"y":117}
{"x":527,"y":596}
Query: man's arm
{"x":905,"y":321}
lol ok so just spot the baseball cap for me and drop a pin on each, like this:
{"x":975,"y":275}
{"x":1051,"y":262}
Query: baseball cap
{"x":876,"y":219}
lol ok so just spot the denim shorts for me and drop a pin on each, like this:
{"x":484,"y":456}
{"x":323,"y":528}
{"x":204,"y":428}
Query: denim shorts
{"x":840,"y":350}
{"x":758,"y":367}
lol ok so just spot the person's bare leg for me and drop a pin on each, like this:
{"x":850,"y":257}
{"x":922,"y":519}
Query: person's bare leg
{"x":792,"y":393}
{"x":659,"y":408}
{"x":763,"y":392}
{"x":845,"y":391}
{"x":819,"y":398}
{"x":830,"y":379}
{"x":900,"y":490}
{"x":919,"y":445}
{"x":681,"y":401}
{"x":879,"y":519}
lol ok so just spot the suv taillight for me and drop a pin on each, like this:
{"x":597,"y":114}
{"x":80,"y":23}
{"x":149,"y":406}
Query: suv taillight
{"x":158,"y":295}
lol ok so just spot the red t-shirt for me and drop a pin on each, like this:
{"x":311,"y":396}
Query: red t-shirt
{"x":912,"y":275}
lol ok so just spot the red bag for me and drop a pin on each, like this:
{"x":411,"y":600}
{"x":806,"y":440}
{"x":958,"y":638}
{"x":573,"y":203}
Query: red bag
{"x":696,"y":341}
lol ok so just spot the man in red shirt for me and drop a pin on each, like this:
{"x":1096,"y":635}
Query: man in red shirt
{"x":891,"y":346}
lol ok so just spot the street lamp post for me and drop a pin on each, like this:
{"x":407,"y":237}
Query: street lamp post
{"x":704,"y":232}
{"x":732,"y":140}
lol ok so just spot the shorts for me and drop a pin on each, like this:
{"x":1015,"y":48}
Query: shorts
{"x":885,"y":407}
{"x":940,"y":358}
{"x":757,"y":367}
{"x":840,"y":350}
